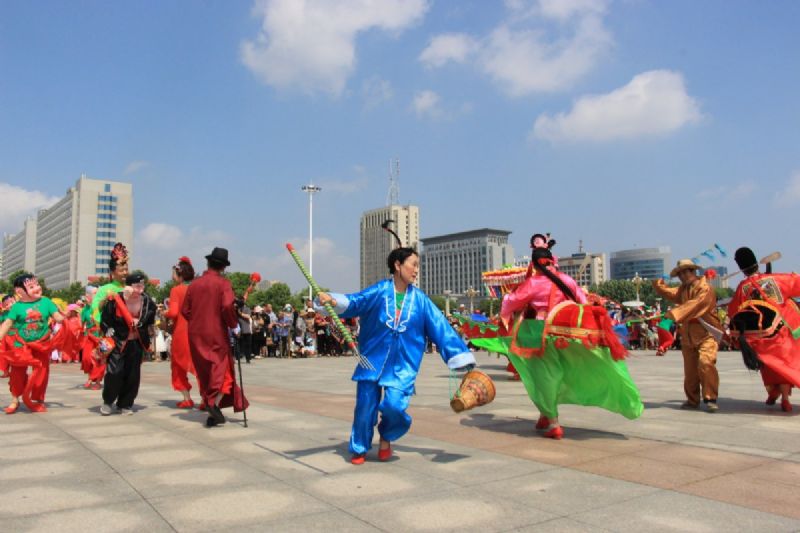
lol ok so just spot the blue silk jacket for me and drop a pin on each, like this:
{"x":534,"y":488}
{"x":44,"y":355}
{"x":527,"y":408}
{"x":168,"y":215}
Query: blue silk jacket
{"x":395,"y":347}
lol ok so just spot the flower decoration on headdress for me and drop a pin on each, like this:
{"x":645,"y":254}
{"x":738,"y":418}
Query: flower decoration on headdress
{"x":119,"y":253}
{"x":184,"y":259}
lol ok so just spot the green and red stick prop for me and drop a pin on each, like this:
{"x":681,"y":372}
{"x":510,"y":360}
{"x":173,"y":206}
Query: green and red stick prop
{"x":362,"y":361}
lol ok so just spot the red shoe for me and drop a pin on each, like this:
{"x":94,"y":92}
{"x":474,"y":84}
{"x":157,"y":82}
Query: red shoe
{"x":555,"y":433}
{"x":358,"y":459}
{"x":38,"y":408}
{"x":185,"y":404}
{"x":542,"y":423}
{"x":385,"y":455}
{"x":11,"y":409}
{"x":786,"y":407}
{"x":772,"y":397}
{"x":202,"y":406}
{"x":96,"y":386}
{"x":87,"y":385}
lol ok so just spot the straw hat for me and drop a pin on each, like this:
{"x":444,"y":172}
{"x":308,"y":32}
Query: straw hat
{"x":683,"y":264}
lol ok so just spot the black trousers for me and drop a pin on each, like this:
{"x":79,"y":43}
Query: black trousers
{"x":123,"y":374}
{"x":246,"y":346}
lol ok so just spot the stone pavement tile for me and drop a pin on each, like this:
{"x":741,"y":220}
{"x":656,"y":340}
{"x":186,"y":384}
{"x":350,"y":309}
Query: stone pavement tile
{"x":154,"y":440}
{"x":80,"y":467}
{"x":552,"y":452}
{"x":564,"y":492}
{"x":33,"y":435}
{"x":461,"y":465}
{"x":147,"y":458}
{"x":194,"y":479}
{"x":372,"y":482}
{"x":228,"y":509}
{"x":742,"y":488}
{"x":324,"y":522}
{"x":45,"y":451}
{"x":563,"y":525}
{"x":671,"y":511}
{"x":293,"y":459}
{"x":61,"y":494}
{"x":459,"y":510}
{"x":109,"y":426}
{"x":112,"y":517}
{"x":608,"y":441}
{"x":645,"y":471}
{"x":715,"y":460}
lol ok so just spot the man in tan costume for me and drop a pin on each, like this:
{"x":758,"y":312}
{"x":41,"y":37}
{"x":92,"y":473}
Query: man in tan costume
{"x":700,"y":332}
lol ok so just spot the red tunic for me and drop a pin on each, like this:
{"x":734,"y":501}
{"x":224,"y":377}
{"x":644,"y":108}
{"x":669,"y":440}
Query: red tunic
{"x":779,"y":352}
{"x":209,"y":312}
{"x":181,"y":356}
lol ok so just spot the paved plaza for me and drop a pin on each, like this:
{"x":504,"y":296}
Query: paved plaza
{"x":71,"y":469}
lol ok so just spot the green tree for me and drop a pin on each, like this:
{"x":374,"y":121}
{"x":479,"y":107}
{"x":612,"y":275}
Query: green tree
{"x":70,"y":294}
{"x":240,"y":281}
{"x":279,"y":294}
{"x":439,"y":302}
{"x":9,"y":287}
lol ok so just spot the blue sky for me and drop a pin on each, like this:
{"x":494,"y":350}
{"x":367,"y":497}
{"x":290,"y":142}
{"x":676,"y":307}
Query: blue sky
{"x":627,"y":123}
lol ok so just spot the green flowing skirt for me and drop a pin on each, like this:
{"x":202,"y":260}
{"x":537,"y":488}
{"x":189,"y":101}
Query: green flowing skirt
{"x":573,"y":374}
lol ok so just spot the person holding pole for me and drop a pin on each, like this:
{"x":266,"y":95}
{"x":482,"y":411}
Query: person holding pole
{"x":209,"y":311}
{"x":397,"y":318}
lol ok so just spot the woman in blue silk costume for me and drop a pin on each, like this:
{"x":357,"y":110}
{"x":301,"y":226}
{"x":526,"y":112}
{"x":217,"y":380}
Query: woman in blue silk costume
{"x":396,"y":319}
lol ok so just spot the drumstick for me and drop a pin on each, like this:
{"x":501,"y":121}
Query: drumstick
{"x":362,"y":361}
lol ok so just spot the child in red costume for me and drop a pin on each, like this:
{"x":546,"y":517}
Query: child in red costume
{"x":31,"y":345}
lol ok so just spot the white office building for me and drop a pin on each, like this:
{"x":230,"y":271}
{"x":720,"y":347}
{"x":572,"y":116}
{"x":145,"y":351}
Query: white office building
{"x":19,"y":250}
{"x":377,"y":243}
{"x":648,"y":263}
{"x":585,"y":268}
{"x":72,"y":239}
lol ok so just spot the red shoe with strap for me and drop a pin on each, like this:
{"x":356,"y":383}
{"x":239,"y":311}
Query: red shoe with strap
{"x":358,"y":459}
{"x":543,"y":422}
{"x":185,"y":404}
{"x":12,"y":408}
{"x":555,"y":433}
{"x":385,"y":454}
{"x":786,"y":406}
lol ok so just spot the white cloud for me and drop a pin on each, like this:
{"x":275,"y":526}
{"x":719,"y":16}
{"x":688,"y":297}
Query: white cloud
{"x":725,"y":194}
{"x":455,"y":47}
{"x":135,"y":166}
{"x":310,"y":44}
{"x":653,"y":103}
{"x":427,"y":104}
{"x":162,"y":236}
{"x":18,"y":204}
{"x":376,"y":91}
{"x":789,"y":196}
{"x":158,"y":246}
{"x":543,"y":46}
{"x":346,"y":186}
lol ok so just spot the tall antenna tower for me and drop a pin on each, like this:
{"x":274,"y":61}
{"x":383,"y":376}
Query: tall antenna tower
{"x":393,"y":198}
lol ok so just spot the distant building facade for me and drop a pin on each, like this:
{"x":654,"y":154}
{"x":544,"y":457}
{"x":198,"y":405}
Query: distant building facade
{"x":377,"y":243}
{"x":717,"y":282}
{"x":585,"y":268}
{"x":72,"y":239}
{"x":649,"y":263}
{"x":454,"y":262}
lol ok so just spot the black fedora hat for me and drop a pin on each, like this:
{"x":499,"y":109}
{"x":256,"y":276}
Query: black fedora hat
{"x":219,"y":255}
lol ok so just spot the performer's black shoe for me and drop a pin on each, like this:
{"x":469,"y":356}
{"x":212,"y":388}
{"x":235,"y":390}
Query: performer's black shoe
{"x":211,"y":422}
{"x":216,"y":414}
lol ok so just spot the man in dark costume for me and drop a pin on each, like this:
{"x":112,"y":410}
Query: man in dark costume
{"x":125,"y":319}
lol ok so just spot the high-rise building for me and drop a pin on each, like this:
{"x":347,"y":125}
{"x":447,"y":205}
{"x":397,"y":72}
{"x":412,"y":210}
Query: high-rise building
{"x":585,"y":268}
{"x":718,"y":281}
{"x":72,"y":239}
{"x":376,"y":243}
{"x":1,"y":265}
{"x":649,"y":263}
{"x":455,"y":262}
{"x":19,"y":250}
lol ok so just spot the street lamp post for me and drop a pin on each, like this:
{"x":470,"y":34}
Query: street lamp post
{"x":447,"y":293}
{"x":637,"y":282}
{"x":310,"y":189}
{"x":471,"y":294}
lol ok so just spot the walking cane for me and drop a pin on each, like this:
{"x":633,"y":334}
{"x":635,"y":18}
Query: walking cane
{"x":237,"y":355}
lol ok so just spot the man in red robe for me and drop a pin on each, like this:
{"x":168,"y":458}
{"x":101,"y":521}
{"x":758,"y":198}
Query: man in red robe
{"x":767,"y":323}
{"x":209,"y":310}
